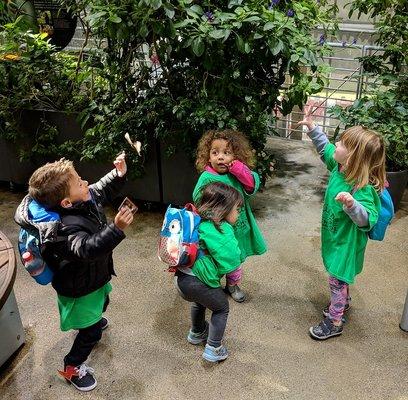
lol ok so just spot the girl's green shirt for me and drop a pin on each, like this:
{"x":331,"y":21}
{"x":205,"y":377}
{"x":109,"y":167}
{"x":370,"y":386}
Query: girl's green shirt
{"x":247,"y":233}
{"x":343,"y":242}
{"x":222,"y":254}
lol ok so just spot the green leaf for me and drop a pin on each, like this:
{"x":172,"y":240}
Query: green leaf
{"x":115,"y":19}
{"x":143,"y":31}
{"x":169,"y":11}
{"x":182,"y":24}
{"x":294,"y":57}
{"x":197,"y":9}
{"x":276,"y":47}
{"x":252,"y":19}
{"x":97,"y":15}
{"x":156,"y":4}
{"x":268,"y":26}
{"x":198,"y":46}
{"x":240,"y":43}
{"x":217,"y":34}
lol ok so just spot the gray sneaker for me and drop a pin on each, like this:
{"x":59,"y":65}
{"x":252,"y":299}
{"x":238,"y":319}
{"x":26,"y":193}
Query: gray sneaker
{"x":236,"y":293}
{"x":197,"y":338}
{"x":325,"y":330}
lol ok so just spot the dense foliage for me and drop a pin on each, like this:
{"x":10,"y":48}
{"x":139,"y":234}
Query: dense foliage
{"x":173,"y":69}
{"x":385,"y":105}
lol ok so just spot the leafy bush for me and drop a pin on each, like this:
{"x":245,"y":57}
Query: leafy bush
{"x":385,"y":106}
{"x":174,"y":69}
{"x":387,"y":113}
{"x":34,"y":76}
{"x":171,"y":70}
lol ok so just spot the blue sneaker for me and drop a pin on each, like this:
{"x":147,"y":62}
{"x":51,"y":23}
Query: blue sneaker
{"x":197,"y":338}
{"x":215,"y":354}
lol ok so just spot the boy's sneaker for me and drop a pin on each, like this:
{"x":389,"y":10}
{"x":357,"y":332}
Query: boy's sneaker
{"x":81,"y":377}
{"x":197,"y":338}
{"x":215,"y":354}
{"x":327,"y":314}
{"x":236,"y":293}
{"x":326,"y":329}
{"x":104,"y":323}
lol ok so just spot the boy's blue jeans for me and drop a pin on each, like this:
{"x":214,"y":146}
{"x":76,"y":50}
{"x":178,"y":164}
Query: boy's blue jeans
{"x":203,"y":297}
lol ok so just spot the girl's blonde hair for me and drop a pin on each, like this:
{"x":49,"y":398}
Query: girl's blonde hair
{"x":237,"y":141}
{"x":365,"y":162}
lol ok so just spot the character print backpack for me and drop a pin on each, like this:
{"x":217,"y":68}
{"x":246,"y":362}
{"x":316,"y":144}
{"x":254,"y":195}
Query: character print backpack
{"x":178,"y":244}
{"x":30,"y":254}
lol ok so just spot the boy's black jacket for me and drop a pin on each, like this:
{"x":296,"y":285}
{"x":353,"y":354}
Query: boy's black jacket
{"x":79,"y":248}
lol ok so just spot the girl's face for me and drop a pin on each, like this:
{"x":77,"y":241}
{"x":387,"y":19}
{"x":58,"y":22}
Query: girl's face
{"x":221,"y":155}
{"x":233,"y":215}
{"x":341,"y":153}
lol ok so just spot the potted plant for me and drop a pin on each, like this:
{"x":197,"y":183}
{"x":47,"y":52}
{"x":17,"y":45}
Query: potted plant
{"x":384,"y":107}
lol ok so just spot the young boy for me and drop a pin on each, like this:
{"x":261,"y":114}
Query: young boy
{"x":77,"y":244}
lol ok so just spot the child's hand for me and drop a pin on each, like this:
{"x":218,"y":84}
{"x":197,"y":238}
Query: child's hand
{"x":307,"y":120}
{"x":346,"y":199}
{"x":231,"y":164}
{"x":123,"y":218}
{"x":120,"y":164}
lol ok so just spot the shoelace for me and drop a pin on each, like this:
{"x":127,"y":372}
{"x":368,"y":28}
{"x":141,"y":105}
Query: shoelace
{"x":83,"y":370}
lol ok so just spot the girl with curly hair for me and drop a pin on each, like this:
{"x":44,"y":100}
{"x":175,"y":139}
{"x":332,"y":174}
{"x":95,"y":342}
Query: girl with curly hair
{"x":227,"y":157}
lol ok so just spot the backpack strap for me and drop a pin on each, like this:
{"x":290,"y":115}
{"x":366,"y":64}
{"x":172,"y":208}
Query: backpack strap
{"x":191,"y":207}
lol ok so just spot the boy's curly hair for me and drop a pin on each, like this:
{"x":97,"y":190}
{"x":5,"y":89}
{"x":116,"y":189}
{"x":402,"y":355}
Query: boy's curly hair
{"x":238,"y":142}
{"x":49,"y":184}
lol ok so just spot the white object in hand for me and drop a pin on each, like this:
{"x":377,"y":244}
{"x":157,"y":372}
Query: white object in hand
{"x":136,"y":145}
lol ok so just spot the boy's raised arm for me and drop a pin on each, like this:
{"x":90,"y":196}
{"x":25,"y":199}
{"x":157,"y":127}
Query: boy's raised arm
{"x":112,"y":183}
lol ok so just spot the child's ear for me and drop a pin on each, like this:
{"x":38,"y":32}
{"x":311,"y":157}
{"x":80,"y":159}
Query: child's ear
{"x":66,"y":203}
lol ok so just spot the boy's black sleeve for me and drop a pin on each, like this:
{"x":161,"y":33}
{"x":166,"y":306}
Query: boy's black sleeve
{"x":80,"y":244}
{"x":108,"y":187}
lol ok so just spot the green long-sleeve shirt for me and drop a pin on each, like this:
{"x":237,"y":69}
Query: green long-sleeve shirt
{"x":343,"y":242}
{"x":247,"y":233}
{"x":222,"y":253}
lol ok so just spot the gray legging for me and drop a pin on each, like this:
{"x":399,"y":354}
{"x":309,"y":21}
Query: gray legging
{"x":203,"y":296}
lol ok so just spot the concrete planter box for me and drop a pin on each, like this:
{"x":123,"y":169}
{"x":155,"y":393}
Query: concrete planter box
{"x":398,"y":183}
{"x":179,"y":177}
{"x":165,"y":179}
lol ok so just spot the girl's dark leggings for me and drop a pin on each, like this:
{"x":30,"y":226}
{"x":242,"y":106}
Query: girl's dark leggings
{"x":203,"y":297}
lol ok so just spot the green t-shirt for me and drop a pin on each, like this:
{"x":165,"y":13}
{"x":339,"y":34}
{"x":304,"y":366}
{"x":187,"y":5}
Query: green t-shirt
{"x":343,"y":242}
{"x":250,"y":239}
{"x":222,"y":253}
{"x":81,"y":312}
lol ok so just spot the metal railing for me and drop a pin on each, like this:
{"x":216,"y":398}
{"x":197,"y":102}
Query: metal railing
{"x":346,"y":84}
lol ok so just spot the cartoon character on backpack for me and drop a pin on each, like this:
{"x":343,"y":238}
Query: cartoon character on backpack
{"x":31,"y":258}
{"x":31,"y":243}
{"x":178,"y":244}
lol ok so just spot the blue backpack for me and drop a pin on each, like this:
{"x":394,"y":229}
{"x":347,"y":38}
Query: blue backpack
{"x":179,"y":240}
{"x":384,"y":217}
{"x":29,"y":244}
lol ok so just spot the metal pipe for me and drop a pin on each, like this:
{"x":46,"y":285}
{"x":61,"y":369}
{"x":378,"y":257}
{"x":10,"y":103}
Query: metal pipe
{"x":404,"y":318}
